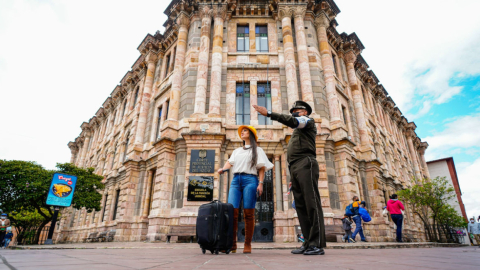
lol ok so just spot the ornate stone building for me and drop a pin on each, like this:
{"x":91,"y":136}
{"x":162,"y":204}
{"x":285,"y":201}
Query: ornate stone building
{"x":193,"y":85}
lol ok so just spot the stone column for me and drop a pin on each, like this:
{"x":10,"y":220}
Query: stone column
{"x":84,"y":149}
{"x":183,"y":21}
{"x":423,"y":147}
{"x":285,"y":15}
{"x":146,"y":196}
{"x":73,"y":150}
{"x":217,"y":52}
{"x":351,"y":57}
{"x":322,"y":22}
{"x":203,"y":57}
{"x":303,"y":63}
{"x":253,"y":101}
{"x":410,"y":134}
{"x":145,"y":106}
{"x":278,"y":184}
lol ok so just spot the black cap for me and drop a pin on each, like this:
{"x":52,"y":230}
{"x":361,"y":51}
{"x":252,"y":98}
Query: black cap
{"x":301,"y":105}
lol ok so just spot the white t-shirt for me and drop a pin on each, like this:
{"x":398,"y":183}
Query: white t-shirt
{"x":241,"y":160}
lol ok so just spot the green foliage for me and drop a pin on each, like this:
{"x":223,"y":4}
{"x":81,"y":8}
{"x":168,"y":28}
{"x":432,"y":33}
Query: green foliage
{"x":24,"y":188}
{"x":429,"y":201}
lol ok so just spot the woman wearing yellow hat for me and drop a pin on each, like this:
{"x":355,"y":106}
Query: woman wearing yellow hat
{"x":249,"y":164}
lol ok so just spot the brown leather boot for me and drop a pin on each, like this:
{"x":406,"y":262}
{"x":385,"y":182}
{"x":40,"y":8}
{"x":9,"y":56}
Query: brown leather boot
{"x":235,"y":229}
{"x":249,"y":216}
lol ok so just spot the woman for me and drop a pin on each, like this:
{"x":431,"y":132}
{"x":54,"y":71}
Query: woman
{"x":395,"y":207}
{"x":4,"y":223}
{"x":249,"y":164}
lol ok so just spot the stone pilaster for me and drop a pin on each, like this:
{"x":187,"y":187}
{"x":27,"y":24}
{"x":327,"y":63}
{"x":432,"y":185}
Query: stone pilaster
{"x":278,"y":184}
{"x":423,"y":147}
{"x":145,"y":106}
{"x":303,"y":63}
{"x":350,"y":58}
{"x":413,"y":154}
{"x":322,"y":22}
{"x":74,"y":150}
{"x":84,"y":149}
{"x":203,"y":58}
{"x":285,"y":14}
{"x":146,"y":195}
{"x":183,"y":21}
{"x":220,"y":13}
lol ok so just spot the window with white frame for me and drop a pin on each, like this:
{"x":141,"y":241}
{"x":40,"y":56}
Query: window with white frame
{"x":264,"y":99}
{"x":242,"y":106}
{"x":243,"y":38}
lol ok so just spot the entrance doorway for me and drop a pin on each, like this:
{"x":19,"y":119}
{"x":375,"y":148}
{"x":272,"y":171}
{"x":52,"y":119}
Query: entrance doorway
{"x":263,"y":214}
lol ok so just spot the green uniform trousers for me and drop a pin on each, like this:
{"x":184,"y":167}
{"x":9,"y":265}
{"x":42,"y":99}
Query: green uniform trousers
{"x":304,"y":175}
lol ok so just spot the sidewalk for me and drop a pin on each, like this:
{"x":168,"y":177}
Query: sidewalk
{"x":259,"y":246}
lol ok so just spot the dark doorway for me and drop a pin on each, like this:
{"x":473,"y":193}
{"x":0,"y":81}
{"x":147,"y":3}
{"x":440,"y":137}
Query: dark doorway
{"x":263,"y":214}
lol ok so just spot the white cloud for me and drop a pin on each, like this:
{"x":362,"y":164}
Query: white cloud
{"x":469,"y":179}
{"x":416,"y":47}
{"x":59,"y":61}
{"x":462,"y":132}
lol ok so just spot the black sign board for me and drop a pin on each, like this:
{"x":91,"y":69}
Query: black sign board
{"x":202,"y":161}
{"x":200,"y":188}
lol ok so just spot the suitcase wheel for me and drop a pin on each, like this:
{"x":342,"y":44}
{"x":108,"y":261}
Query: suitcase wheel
{"x":212,"y":251}
{"x":203,"y":250}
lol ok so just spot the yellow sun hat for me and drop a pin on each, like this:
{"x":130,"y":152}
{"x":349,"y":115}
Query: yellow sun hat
{"x":251,"y":128}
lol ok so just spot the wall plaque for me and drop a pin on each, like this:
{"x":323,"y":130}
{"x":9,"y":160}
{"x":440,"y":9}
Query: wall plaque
{"x":200,"y":188}
{"x":202,"y":161}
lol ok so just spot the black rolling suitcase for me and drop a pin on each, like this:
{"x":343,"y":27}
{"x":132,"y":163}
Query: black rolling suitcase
{"x":215,"y":227}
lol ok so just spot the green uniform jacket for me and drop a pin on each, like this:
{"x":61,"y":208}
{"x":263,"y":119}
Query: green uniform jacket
{"x":302,"y":142}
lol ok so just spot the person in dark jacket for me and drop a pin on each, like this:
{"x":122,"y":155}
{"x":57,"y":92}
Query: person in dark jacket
{"x":347,"y":226}
{"x":358,"y":219}
{"x":304,"y":173}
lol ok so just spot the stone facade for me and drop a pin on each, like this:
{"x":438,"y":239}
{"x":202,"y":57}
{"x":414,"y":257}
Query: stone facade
{"x":181,"y":95}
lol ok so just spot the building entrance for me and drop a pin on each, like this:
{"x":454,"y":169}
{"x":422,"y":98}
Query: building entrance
{"x":263,"y":214}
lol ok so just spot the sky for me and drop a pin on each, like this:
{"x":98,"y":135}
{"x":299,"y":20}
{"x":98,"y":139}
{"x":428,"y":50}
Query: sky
{"x":60,"y":60}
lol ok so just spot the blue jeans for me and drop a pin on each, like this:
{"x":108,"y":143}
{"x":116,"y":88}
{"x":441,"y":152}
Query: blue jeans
{"x":358,"y":228}
{"x":243,"y":186}
{"x":398,"y":219}
{"x":7,"y":241}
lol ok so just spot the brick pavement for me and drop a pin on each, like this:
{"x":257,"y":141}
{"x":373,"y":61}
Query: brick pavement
{"x":179,"y":258}
{"x":270,"y":245}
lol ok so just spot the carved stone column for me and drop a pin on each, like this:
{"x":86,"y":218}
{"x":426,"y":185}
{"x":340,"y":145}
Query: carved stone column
{"x":183,"y":21}
{"x":203,"y":57}
{"x":351,"y":57}
{"x":84,"y":149}
{"x":285,"y":15}
{"x":322,"y":22}
{"x":74,"y":150}
{"x":145,"y":106}
{"x":413,"y":154}
{"x":423,"y":147}
{"x":220,"y":13}
{"x":303,"y":63}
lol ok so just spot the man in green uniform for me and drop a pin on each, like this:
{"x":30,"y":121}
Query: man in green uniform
{"x":304,"y":173}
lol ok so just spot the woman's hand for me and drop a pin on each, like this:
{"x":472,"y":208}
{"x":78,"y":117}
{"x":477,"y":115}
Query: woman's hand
{"x":220,"y":171}
{"x":260,"y":189}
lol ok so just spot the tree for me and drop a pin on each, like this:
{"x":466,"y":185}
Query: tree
{"x":24,"y":187}
{"x":429,"y":201}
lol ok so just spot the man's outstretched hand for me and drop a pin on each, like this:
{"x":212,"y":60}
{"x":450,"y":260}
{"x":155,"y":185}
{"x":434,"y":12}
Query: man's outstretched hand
{"x":261,"y":110}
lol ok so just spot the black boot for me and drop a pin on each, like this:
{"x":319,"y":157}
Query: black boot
{"x":299,"y":250}
{"x":312,"y":250}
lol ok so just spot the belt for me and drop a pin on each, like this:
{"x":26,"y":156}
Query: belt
{"x":244,"y":174}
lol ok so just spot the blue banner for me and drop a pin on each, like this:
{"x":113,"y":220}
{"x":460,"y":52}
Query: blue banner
{"x":61,"y":190}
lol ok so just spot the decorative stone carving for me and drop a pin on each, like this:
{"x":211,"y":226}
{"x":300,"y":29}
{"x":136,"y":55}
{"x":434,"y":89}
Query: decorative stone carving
{"x":285,"y":12}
